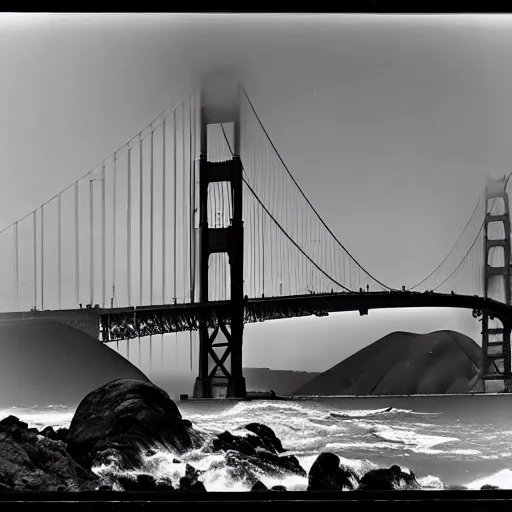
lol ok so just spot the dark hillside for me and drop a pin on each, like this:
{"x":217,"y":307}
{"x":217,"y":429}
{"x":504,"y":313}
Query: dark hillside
{"x":403,"y":363}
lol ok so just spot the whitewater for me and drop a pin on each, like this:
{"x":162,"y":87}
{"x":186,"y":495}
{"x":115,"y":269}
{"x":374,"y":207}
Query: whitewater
{"x":444,"y":440}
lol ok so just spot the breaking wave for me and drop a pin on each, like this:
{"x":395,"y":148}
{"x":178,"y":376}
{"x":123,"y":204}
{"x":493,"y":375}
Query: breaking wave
{"x":430,"y":444}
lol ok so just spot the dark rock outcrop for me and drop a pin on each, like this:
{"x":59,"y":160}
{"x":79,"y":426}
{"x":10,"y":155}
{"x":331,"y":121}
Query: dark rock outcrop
{"x":263,"y":439}
{"x":141,"y":482}
{"x":249,"y":456}
{"x":123,"y":418}
{"x":30,"y":461}
{"x":270,"y":441}
{"x":249,"y":467}
{"x":56,"y":435}
{"x":259,"y":486}
{"x":326,"y":474}
{"x":191,"y":482}
{"x":388,"y":479}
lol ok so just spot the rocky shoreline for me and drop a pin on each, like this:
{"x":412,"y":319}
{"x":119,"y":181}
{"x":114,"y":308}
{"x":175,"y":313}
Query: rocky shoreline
{"x":119,"y":425}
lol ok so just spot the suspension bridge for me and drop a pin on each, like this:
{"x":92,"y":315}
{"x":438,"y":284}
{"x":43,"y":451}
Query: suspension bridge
{"x":196,"y":224}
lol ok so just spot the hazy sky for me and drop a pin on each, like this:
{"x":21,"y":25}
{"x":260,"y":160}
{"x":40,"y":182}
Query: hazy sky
{"x":390,"y":125}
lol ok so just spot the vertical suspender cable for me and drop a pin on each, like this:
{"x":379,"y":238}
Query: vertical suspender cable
{"x":77,"y":253}
{"x":91,"y":239}
{"x":114,"y":187}
{"x":59,"y":253}
{"x":191,"y":201}
{"x":174,"y":216}
{"x":163,"y":236}
{"x":151,"y":240}
{"x":16,"y":267}
{"x":183,"y":187}
{"x":192,"y":213}
{"x":140,"y":222}
{"x":103,"y":240}
{"x":141,"y":196}
{"x":42,"y":257}
{"x":35,"y":259}
{"x":263,"y":253}
{"x":151,"y":221}
{"x":174,"y":202}
{"x":129,"y":236}
{"x":164,"y":213}
{"x":197,"y":121}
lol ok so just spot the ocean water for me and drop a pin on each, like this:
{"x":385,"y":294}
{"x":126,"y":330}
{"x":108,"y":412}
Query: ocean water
{"x":445,"y":440}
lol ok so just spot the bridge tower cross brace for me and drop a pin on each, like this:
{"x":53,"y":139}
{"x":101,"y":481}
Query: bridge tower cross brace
{"x":220,"y":104}
{"x":496,"y":350}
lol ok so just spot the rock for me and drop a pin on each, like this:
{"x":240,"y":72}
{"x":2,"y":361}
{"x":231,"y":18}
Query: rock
{"x":388,"y":479}
{"x":146,"y":482}
{"x":104,"y":488}
{"x":326,"y":474}
{"x":488,"y":487}
{"x":279,"y":488}
{"x":267,"y":435}
{"x":192,"y":473}
{"x":281,"y":464}
{"x":227,"y":441}
{"x":261,"y":450}
{"x":259,"y":486}
{"x":190,"y":481}
{"x":264,"y":439}
{"x":31,"y":462}
{"x":127,"y":417}
{"x":249,"y":467}
{"x":60,"y":435}
{"x":187,"y":485}
{"x":140,"y":482}
{"x":164,"y":484}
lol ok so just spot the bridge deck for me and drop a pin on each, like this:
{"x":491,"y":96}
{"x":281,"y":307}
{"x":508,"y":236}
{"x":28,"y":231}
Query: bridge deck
{"x":133,"y":322}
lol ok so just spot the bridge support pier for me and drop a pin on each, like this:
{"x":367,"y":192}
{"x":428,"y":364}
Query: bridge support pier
{"x":217,"y":377}
{"x":496,"y":351}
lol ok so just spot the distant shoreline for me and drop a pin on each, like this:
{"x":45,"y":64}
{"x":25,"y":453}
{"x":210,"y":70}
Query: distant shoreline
{"x":320,"y":397}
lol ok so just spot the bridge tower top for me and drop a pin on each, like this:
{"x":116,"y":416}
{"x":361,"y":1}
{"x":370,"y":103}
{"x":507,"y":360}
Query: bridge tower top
{"x":220,"y":96}
{"x":495,"y":187}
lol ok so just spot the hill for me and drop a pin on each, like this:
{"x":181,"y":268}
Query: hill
{"x":48,"y":363}
{"x":403,"y":363}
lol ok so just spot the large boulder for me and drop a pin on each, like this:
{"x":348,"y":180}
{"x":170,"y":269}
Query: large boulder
{"x":267,"y":436}
{"x":249,"y":468}
{"x":122,"y":420}
{"x":326,"y":474}
{"x":388,"y":479}
{"x":258,"y":453}
{"x":261,"y":438}
{"x":30,"y":461}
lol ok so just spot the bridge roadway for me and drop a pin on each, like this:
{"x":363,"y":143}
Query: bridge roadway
{"x":112,"y":324}
{"x":128,"y":323}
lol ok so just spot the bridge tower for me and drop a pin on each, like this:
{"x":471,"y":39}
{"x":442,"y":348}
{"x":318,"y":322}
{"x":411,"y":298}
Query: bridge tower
{"x":496,"y":341}
{"x":220,"y":103}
